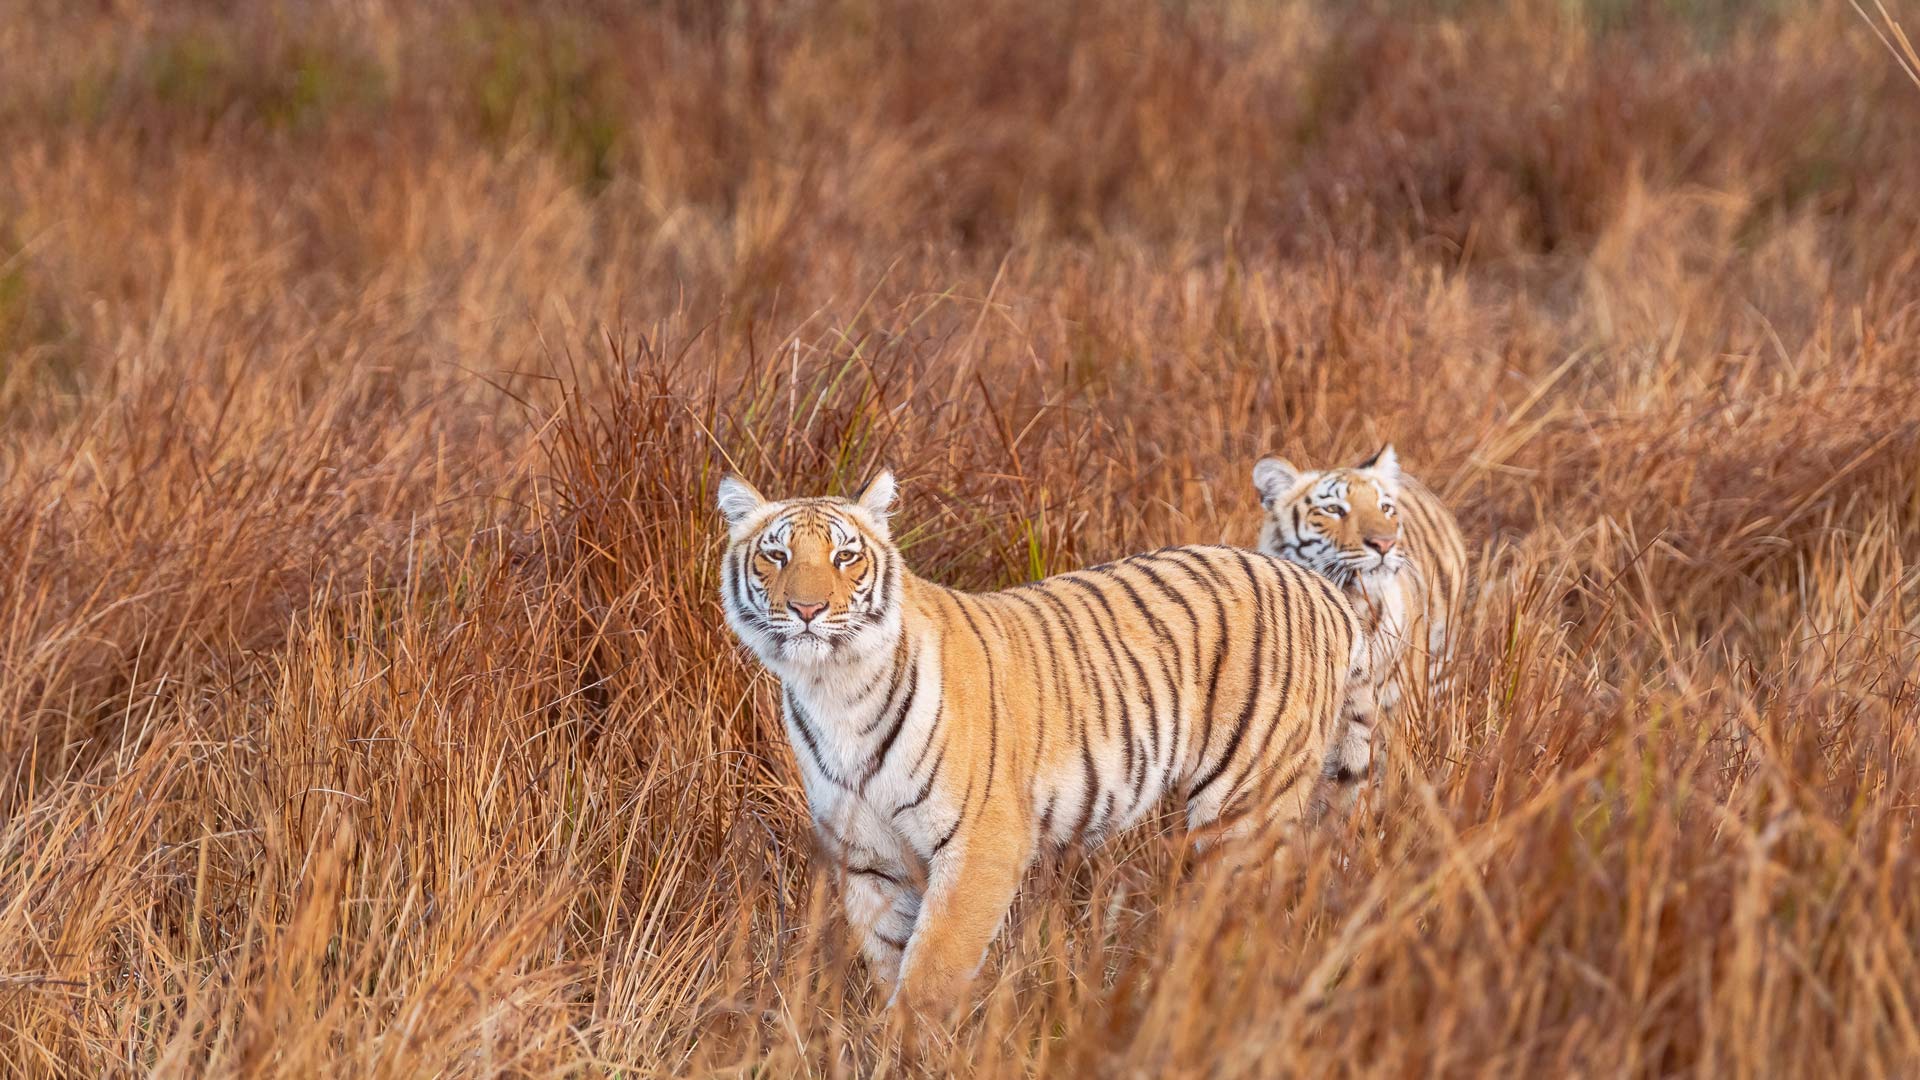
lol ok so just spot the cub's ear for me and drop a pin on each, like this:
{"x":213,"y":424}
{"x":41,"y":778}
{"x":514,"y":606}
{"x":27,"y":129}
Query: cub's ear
{"x":877,"y":497}
{"x":1273,"y":477}
{"x":1385,"y":462}
{"x":738,"y":500}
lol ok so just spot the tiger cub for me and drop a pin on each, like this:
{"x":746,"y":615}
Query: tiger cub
{"x":1397,"y":554}
{"x":945,"y":739}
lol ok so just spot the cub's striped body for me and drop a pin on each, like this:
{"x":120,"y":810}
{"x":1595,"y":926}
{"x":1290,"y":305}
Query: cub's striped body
{"x":945,"y":738}
{"x":1396,"y":552}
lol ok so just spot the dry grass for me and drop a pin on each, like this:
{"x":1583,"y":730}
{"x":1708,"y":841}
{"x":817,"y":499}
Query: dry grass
{"x":366,"y":370}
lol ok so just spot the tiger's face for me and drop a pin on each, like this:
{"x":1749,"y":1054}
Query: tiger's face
{"x":809,"y":580}
{"x":1342,"y":523}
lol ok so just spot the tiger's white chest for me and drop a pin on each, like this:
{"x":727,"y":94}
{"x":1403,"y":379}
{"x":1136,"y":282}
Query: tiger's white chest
{"x":865,"y":740}
{"x":1385,"y":606}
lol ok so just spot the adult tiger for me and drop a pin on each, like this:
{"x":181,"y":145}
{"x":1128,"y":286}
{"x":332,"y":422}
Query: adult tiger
{"x":1395,"y":551}
{"x":945,"y":738}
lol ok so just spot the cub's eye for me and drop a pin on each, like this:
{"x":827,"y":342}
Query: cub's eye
{"x":845,"y":558}
{"x":1334,"y":512}
{"x":775,"y":556}
{"x":1388,"y":510}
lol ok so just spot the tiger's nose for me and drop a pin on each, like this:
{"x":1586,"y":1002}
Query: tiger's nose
{"x":1381,"y":544}
{"x":806,"y":611}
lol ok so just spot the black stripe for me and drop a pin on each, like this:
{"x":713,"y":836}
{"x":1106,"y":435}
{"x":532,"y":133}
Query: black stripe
{"x":1318,"y":634}
{"x":1055,"y":658}
{"x":1019,"y":638}
{"x":873,"y":684}
{"x":1176,"y":681}
{"x":1290,"y":647}
{"x":1181,"y":745}
{"x":1048,"y":611}
{"x":811,"y":741}
{"x":871,"y":871}
{"x":958,"y":820}
{"x":1097,"y":688}
{"x":900,"y":666}
{"x":933,"y":732}
{"x":1091,"y":794}
{"x":1118,"y":684}
{"x":1146,"y":686}
{"x":1286,"y":645}
{"x":1144,"y":565}
{"x":1253,"y":689}
{"x":741,"y":598}
{"x":900,"y":714}
{"x":1339,"y":772}
{"x":1139,"y":602}
{"x":1293,"y":777}
{"x":993,"y":700}
{"x":1209,"y":582}
{"x":882,"y":599}
{"x":1076,"y":720}
{"x":926,"y":788}
{"x":1177,"y":708}
{"x":889,"y":585}
{"x":1099,"y":821}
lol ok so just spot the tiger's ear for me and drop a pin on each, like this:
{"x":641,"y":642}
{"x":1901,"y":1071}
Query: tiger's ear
{"x":877,"y":498}
{"x":1273,"y":477}
{"x":738,"y":500}
{"x":1385,"y":462}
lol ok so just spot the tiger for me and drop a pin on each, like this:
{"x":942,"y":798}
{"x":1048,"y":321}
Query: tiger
{"x":1396,"y":553}
{"x":947,"y":739}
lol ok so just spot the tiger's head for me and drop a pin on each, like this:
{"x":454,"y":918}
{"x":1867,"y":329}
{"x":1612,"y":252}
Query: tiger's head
{"x":1342,"y":523}
{"x":810,"y":580}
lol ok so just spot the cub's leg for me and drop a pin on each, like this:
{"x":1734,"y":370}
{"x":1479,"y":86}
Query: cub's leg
{"x":882,"y":909}
{"x":1439,"y":667}
{"x":1350,"y":764}
{"x":1369,"y":694}
{"x":971,"y":883}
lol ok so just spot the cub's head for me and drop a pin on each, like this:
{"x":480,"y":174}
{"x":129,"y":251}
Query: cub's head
{"x":810,"y":580}
{"x":1343,"y":523}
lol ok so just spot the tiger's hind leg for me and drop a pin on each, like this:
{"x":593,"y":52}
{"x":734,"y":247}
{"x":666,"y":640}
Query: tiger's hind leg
{"x":1250,"y":825}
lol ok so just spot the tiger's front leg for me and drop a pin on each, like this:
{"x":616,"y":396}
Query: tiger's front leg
{"x":971,"y":884}
{"x":882,"y":909}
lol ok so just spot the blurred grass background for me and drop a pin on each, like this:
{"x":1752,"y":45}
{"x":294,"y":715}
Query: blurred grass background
{"x":366,"y":369}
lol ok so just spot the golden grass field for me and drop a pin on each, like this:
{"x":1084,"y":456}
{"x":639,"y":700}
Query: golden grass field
{"x":366,"y":371}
